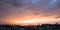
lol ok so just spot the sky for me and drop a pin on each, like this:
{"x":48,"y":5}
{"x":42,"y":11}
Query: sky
{"x":18,"y":11}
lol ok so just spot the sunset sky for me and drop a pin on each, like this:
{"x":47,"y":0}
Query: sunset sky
{"x":29,"y":11}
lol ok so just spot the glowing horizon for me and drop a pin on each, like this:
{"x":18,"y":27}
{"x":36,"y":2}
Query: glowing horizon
{"x":34,"y":21}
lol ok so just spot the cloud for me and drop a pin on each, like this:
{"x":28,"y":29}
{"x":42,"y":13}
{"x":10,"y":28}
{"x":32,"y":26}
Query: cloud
{"x":11,"y":11}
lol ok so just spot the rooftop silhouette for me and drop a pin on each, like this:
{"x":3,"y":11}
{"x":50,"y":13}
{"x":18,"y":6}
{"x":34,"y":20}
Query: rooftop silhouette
{"x":38,"y":27}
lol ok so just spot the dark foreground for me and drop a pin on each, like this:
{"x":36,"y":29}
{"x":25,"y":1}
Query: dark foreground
{"x":38,"y":27}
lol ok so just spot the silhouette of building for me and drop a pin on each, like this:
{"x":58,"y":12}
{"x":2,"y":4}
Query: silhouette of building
{"x":38,"y":27}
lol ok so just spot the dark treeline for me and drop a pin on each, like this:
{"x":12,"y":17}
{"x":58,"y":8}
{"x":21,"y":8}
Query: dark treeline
{"x":38,"y":27}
